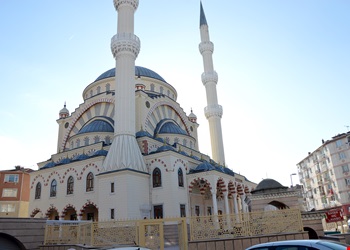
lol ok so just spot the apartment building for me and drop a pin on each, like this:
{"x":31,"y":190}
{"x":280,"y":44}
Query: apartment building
{"x":325,"y":175}
{"x":15,"y":191}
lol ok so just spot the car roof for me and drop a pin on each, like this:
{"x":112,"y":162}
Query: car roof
{"x":291,"y":242}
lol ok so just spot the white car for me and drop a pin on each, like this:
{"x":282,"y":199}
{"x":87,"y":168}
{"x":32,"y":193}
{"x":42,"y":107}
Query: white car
{"x":300,"y":245}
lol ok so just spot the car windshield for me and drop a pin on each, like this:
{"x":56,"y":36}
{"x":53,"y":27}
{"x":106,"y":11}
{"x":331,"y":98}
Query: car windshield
{"x":333,"y":245}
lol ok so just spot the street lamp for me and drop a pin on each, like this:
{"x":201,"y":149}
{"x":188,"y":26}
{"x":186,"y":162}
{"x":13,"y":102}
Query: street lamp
{"x":291,"y":180}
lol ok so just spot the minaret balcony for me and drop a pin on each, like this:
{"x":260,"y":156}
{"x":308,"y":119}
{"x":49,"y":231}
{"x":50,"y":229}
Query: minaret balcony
{"x":206,"y":46}
{"x":125,"y":43}
{"x":133,"y":3}
{"x":209,"y":77}
{"x":213,"y":110}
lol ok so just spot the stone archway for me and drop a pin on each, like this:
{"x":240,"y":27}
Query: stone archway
{"x":89,"y":212}
{"x":69,"y":213}
{"x":52,"y":214}
{"x":9,"y":242}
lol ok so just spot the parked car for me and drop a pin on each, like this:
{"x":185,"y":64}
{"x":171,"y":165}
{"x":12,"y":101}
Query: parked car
{"x":300,"y":245}
{"x":126,"y":248}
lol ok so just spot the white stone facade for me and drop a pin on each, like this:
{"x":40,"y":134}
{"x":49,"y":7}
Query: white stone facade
{"x":103,"y":170}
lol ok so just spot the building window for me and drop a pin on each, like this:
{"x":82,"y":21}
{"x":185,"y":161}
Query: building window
{"x":11,"y":177}
{"x":91,"y":93}
{"x":9,"y":192}
{"x":161,"y":89}
{"x":78,"y":143}
{"x":90,"y":182}
{"x":197,"y":211}
{"x":180,"y":177}
{"x":112,"y":187}
{"x":184,"y":142}
{"x":8,"y":208}
{"x":152,"y":87}
{"x":98,"y":89}
{"x":338,"y":143}
{"x":158,"y":212}
{"x":168,"y":93}
{"x":86,"y":141}
{"x":112,"y":213}
{"x":108,"y":140}
{"x":38,"y":191}
{"x":345,"y":168}
{"x":208,"y":210}
{"x":53,"y":188}
{"x":157,"y":178}
{"x":347,"y":181}
{"x":96,"y":139}
{"x":182,"y":210}
{"x":70,"y":185}
{"x":342,"y":156}
{"x":108,"y":87}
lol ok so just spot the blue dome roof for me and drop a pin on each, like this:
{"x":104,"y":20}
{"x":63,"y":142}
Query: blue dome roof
{"x":169,"y":126}
{"x":165,"y":148}
{"x":183,"y":153}
{"x":101,"y":152}
{"x":64,"y":161}
{"x":196,"y":157}
{"x":229,"y":171}
{"x":143,"y":133}
{"x":97,"y":125}
{"x":205,"y":166}
{"x":139,"y":71}
{"x":49,"y":165}
{"x":80,"y":157}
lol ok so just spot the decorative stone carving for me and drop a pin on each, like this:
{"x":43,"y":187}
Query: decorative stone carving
{"x":209,"y":77}
{"x":133,"y":3}
{"x":206,"y":46}
{"x":125,"y":43}
{"x":213,"y":110}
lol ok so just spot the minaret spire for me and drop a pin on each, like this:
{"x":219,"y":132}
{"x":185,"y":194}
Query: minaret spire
{"x":213,"y":111}
{"x":124,"y":152}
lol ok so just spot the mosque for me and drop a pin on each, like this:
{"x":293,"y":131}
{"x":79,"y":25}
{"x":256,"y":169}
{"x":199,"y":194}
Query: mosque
{"x":130,"y":151}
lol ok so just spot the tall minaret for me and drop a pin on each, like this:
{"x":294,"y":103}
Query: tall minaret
{"x":124,"y":152}
{"x":213,"y":111}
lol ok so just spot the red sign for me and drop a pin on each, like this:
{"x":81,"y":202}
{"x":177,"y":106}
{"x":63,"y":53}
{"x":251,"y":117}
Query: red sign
{"x":334,"y":215}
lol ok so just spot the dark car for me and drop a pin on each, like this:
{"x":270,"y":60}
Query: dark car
{"x":300,"y":245}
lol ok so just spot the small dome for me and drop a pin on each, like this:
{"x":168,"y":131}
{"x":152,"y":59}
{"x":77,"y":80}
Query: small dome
{"x":101,"y":152}
{"x":205,"y":166}
{"x":64,"y":112}
{"x":97,"y":125}
{"x":268,"y":185}
{"x":168,"y":126}
{"x":192,"y":117}
{"x":139,"y":71}
{"x":165,"y":148}
{"x":142,"y":134}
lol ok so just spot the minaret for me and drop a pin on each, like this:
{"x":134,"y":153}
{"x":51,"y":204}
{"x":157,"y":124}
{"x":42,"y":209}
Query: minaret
{"x":124,"y":152}
{"x":213,"y":111}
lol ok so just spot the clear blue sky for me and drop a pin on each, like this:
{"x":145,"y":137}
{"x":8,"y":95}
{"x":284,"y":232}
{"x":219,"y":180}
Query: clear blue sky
{"x":283,"y":71}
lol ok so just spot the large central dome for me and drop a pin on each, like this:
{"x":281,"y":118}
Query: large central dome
{"x":139,"y":71}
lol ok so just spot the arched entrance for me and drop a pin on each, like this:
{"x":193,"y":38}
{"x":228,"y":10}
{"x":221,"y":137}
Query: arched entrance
{"x":70,"y":213}
{"x":89,"y":212}
{"x":9,"y":242}
{"x":52,"y":214}
{"x":312,"y":233}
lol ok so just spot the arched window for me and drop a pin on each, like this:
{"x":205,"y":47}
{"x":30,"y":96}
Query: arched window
{"x":86,"y":141}
{"x":152,"y":87}
{"x":180,"y":177}
{"x":70,"y":185}
{"x":91,"y":93}
{"x":108,"y":87}
{"x":78,"y":143}
{"x":161,"y":89}
{"x":90,"y":182}
{"x":157,"y":178}
{"x":96,"y":139}
{"x":98,"y":89}
{"x":53,"y":188}
{"x":108,"y":140}
{"x":38,"y":191}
